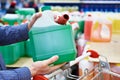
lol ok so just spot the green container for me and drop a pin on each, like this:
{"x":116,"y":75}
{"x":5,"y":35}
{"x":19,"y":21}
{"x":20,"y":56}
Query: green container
{"x":45,"y":8}
{"x":10,"y":53}
{"x":25,"y":13}
{"x":11,"y":19}
{"x":81,"y":26}
{"x":53,"y":40}
{"x":80,"y":30}
{"x":29,"y":48}
{"x":22,"y":48}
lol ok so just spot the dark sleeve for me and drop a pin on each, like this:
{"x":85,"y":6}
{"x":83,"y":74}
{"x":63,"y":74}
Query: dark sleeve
{"x":15,"y":74}
{"x":13,"y":34}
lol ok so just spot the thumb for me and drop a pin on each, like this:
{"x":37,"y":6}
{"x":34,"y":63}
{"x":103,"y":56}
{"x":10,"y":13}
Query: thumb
{"x":51,"y":60}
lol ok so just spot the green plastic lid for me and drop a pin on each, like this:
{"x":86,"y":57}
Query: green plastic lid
{"x":46,"y":8}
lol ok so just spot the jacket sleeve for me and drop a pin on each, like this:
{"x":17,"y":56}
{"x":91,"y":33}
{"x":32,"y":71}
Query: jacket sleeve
{"x":13,"y":34}
{"x":15,"y":74}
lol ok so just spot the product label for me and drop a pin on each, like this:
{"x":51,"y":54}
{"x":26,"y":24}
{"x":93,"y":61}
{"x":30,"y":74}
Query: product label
{"x":105,"y":32}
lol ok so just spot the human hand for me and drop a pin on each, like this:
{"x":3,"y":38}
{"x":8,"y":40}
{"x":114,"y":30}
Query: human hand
{"x":33,"y":19}
{"x":43,"y":67}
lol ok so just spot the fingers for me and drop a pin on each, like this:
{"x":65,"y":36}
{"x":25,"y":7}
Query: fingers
{"x":33,"y":19}
{"x":51,"y":60}
{"x":37,"y":15}
{"x":53,"y":68}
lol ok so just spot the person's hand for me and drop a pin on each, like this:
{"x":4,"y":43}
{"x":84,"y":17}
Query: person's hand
{"x":33,"y":19}
{"x":43,"y":67}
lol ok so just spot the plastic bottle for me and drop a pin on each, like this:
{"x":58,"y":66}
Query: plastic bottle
{"x":117,"y":23}
{"x":10,"y":19}
{"x":80,"y":44}
{"x":77,"y":22}
{"x":84,"y":67}
{"x":46,"y":19}
{"x":49,"y":38}
{"x":101,"y":30}
{"x":25,"y":14}
{"x":88,"y":26}
{"x":49,"y":18}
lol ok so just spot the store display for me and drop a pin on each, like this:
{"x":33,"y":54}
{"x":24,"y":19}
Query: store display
{"x":64,"y":29}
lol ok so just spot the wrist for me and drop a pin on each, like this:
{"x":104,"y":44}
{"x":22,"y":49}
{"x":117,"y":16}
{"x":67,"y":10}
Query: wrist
{"x":32,"y":70}
{"x":29,"y":25}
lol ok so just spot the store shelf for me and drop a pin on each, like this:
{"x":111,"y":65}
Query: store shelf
{"x":79,"y":1}
{"x":61,"y":1}
{"x":23,"y":61}
{"x":100,"y":2}
{"x":108,"y":49}
{"x":85,"y":5}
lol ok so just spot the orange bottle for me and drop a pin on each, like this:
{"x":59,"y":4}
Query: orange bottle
{"x":88,"y":26}
{"x":101,"y":32}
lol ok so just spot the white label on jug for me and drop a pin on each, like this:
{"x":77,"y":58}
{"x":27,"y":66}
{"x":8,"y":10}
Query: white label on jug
{"x":85,"y":64}
{"x":105,"y":32}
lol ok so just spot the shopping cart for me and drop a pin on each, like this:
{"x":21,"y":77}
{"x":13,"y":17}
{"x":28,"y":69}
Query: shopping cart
{"x":66,"y":67}
{"x":101,"y":70}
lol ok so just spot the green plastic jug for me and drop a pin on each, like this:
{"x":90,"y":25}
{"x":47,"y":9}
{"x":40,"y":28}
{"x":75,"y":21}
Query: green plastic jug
{"x":25,"y":13}
{"x":53,"y":40}
{"x":11,"y":19}
{"x":29,"y":48}
{"x":10,"y":53}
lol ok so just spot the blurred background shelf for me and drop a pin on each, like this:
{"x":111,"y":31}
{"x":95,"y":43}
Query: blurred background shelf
{"x":87,"y":5}
{"x":83,"y":1}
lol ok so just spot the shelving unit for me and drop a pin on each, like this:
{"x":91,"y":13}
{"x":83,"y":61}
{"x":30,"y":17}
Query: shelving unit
{"x":88,"y":5}
{"x":61,"y":1}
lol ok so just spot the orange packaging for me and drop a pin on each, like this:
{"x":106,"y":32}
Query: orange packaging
{"x":87,"y":27}
{"x":101,"y":32}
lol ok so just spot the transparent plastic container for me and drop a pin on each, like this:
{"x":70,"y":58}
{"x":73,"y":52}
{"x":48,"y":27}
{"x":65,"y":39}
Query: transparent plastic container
{"x":46,"y":19}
